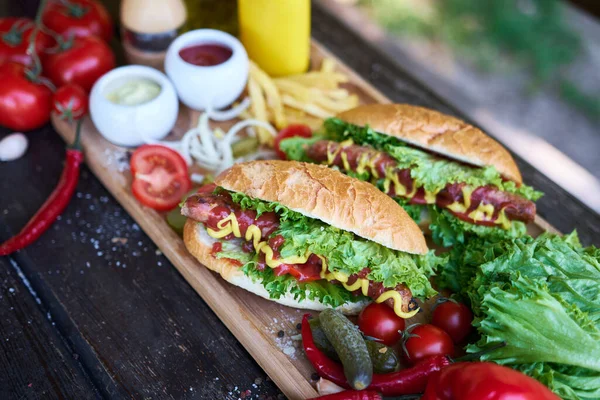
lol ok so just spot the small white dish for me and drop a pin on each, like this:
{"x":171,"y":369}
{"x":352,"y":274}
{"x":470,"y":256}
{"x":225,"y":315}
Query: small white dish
{"x":207,"y":87}
{"x":129,"y":125}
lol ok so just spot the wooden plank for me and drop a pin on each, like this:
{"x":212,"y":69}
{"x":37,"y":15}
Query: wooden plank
{"x":246,"y":315}
{"x":138,"y":329}
{"x":34,"y":360}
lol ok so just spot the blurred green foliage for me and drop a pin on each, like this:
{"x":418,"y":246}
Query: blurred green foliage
{"x":532,"y":33}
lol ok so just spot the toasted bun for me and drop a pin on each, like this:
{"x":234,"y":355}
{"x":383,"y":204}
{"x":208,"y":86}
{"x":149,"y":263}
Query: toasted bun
{"x":199,"y":244}
{"x":330,"y":196}
{"x":437,"y":132}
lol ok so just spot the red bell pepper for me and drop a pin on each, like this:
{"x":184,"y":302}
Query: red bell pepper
{"x":484,"y":380}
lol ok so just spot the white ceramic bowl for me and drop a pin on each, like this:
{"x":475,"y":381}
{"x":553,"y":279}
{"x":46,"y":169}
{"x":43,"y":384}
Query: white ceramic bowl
{"x":127,"y":125}
{"x":201,"y":87}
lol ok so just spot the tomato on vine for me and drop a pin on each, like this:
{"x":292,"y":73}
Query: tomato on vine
{"x":78,"y":18}
{"x":81,"y":60}
{"x":25,"y":101}
{"x":15,"y":35}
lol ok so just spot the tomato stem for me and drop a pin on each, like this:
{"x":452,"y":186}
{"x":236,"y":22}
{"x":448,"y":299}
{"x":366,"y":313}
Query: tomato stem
{"x":14,"y":36}
{"x":35,"y":70}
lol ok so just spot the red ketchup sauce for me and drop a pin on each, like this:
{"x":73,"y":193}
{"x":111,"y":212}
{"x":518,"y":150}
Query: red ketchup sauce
{"x":206,"y":55}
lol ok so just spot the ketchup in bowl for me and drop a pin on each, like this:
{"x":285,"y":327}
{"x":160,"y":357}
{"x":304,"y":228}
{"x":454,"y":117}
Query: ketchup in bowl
{"x":206,"y":55}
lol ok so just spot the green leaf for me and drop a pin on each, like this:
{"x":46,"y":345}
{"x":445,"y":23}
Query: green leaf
{"x":448,"y":230}
{"x":536,"y":326}
{"x":295,"y":147}
{"x":542,"y":297}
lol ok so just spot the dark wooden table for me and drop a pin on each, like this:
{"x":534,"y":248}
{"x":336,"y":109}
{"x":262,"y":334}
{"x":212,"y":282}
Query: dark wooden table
{"x":93,"y":310}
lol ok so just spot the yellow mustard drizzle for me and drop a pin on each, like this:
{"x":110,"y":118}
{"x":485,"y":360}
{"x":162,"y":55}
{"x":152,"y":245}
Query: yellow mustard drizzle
{"x":363,"y":285}
{"x":230,"y":225}
{"x":462,"y":207}
{"x":331,"y":155}
{"x":431,"y":197}
{"x":483,"y":212}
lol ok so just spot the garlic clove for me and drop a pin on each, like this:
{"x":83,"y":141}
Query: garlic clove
{"x":13,"y":146}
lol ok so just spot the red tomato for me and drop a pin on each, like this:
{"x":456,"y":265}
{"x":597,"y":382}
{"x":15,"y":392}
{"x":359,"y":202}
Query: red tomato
{"x":14,"y":40}
{"x":454,"y":319}
{"x":78,"y":18}
{"x":82,"y":62}
{"x":24,"y":105}
{"x":381,"y":322}
{"x":70,"y":102}
{"x":160,"y":177}
{"x":424,"y":341}
{"x":290,"y":131}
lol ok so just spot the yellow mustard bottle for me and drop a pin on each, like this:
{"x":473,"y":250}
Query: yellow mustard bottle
{"x":276,"y":34}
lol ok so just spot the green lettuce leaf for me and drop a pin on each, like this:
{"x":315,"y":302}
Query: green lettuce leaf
{"x":541,"y":328}
{"x":433,"y":173}
{"x":295,"y":147}
{"x":536,"y":325}
{"x":448,"y":230}
{"x":346,"y":252}
{"x":542,"y":297}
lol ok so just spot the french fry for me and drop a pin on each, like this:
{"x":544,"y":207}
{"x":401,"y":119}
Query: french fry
{"x":317,"y":79}
{"x":316,"y":96}
{"x":305,"y":98}
{"x":259,"y":110}
{"x":328,"y":65}
{"x":309,"y":108}
{"x":272,"y":94}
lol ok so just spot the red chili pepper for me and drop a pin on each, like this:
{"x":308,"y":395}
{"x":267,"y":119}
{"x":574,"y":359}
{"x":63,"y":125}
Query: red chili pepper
{"x":351,"y":395}
{"x":54,"y":205}
{"x":407,"y":381}
{"x":484,"y":380}
{"x":411,"y":380}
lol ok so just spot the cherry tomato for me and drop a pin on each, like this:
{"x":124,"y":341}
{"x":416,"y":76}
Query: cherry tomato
{"x":424,"y":341}
{"x":24,"y":104}
{"x":14,"y":40}
{"x":290,"y":131}
{"x":454,"y":319}
{"x":78,"y":18}
{"x":160,"y":177}
{"x":70,"y":102}
{"x":381,"y":322}
{"x":82,"y":62}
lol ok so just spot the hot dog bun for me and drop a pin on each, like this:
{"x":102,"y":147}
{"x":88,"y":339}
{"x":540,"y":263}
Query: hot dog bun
{"x":440,"y":133}
{"x":199,"y":244}
{"x":330,"y":196}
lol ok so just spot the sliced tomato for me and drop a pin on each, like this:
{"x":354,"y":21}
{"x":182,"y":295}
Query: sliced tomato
{"x":291,"y":131}
{"x":160,"y":177}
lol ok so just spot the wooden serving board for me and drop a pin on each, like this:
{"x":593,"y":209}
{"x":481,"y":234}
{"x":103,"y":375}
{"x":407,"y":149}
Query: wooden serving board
{"x":253,"y":320}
